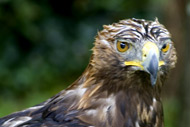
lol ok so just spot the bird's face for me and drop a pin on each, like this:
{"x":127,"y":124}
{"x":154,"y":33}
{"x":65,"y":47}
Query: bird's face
{"x":140,"y":45}
{"x":146,"y":55}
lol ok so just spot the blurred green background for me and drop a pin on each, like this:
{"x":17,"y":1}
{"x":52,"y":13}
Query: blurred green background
{"x":45,"y":45}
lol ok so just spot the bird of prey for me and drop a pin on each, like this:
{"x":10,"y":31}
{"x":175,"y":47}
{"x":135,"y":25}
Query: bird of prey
{"x":120,"y":87}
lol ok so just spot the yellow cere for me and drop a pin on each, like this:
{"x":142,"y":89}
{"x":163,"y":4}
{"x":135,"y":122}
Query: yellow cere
{"x":134,"y":63}
{"x":149,"y":46}
{"x":139,"y":64}
{"x":161,"y":63}
{"x":165,"y":48}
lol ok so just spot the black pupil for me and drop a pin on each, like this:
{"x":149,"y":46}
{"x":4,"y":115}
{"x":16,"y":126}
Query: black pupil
{"x":123,"y":45}
{"x":164,"y":46}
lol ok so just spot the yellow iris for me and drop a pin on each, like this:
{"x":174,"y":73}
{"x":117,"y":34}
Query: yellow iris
{"x":122,"y":46}
{"x":165,"y":47}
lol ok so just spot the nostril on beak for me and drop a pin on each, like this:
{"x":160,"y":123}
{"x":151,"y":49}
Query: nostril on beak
{"x":144,"y":56}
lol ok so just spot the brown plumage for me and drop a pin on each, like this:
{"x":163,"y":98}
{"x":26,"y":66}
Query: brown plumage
{"x":120,"y":87}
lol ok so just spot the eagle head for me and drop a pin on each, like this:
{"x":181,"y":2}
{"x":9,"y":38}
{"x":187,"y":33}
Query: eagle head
{"x":134,"y":47}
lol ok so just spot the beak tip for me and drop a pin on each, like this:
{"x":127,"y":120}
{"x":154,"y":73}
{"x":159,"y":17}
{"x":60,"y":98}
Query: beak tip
{"x":153,"y":80}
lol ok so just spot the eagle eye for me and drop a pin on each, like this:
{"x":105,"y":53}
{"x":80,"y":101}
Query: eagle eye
{"x":165,"y":47}
{"x":122,"y":46}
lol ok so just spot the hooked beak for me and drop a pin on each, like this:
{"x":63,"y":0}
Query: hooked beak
{"x":150,"y":61}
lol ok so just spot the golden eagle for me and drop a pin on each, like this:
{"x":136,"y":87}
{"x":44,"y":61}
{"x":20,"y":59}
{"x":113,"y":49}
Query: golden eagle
{"x":120,"y":87}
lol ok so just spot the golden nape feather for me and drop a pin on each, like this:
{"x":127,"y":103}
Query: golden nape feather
{"x":120,"y":87}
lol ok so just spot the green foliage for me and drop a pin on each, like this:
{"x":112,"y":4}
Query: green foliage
{"x":45,"y":45}
{"x":171,"y":110}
